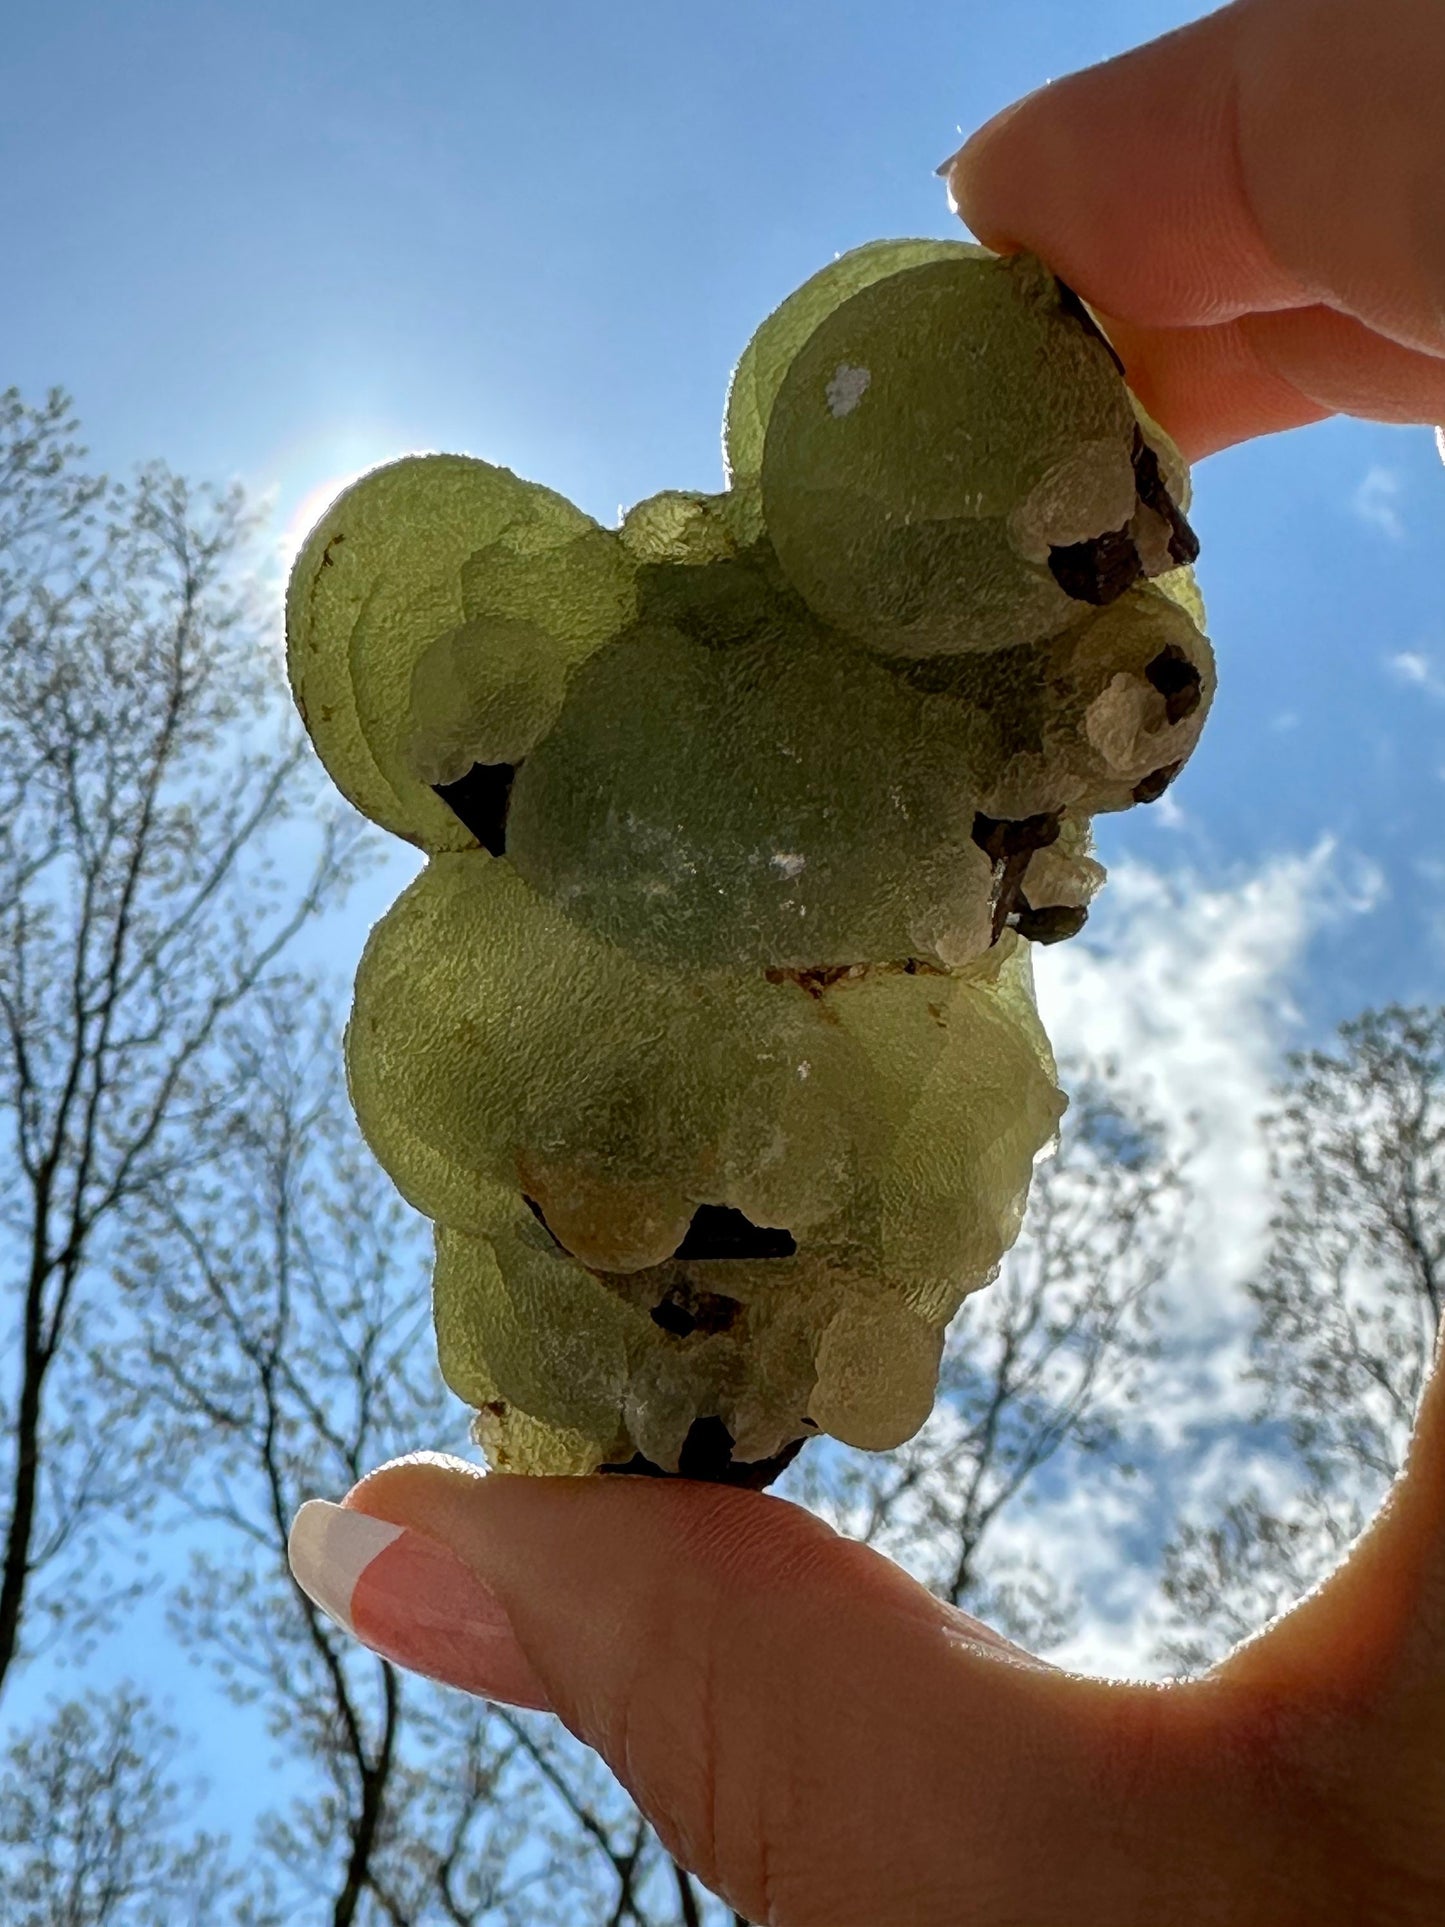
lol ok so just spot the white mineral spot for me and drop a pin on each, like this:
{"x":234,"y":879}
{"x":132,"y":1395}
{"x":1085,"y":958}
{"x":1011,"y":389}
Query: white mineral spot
{"x":789,"y":863}
{"x":847,"y":388}
{"x":803,"y":1069}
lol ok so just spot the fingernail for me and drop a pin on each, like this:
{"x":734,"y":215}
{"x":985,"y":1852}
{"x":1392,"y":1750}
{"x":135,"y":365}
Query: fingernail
{"x":410,"y":1599}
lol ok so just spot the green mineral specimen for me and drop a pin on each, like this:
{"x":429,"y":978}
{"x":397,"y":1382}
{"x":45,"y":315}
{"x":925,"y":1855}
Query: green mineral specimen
{"x":707,"y":1036}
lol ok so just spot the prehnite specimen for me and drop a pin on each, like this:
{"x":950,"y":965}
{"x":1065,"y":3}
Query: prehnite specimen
{"x":707,"y":1035}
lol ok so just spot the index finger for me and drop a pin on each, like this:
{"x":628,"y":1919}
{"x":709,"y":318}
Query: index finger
{"x":1255,"y":206}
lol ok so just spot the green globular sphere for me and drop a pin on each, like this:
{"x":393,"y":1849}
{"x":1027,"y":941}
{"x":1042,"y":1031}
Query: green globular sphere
{"x":941,"y":448}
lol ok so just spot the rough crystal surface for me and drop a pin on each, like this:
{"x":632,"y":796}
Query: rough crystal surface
{"x":707,"y":1037}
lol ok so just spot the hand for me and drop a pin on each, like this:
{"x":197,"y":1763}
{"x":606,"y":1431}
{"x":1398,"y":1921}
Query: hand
{"x":821,"y":1740}
{"x":1254,"y":206}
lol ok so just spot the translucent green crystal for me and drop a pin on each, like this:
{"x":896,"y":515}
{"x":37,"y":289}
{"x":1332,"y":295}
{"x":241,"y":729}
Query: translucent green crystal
{"x":706,"y":1037}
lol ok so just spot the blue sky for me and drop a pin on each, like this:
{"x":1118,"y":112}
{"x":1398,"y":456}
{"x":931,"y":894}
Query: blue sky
{"x":282,"y":242}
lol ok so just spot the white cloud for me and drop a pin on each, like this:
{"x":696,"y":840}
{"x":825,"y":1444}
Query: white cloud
{"x":1440,"y":441}
{"x":1376,"y":501}
{"x":1168,"y":815}
{"x":1188,"y":987}
{"x":1413,"y":666}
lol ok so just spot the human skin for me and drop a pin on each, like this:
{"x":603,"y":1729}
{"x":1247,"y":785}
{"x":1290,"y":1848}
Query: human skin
{"x":1255,"y":208}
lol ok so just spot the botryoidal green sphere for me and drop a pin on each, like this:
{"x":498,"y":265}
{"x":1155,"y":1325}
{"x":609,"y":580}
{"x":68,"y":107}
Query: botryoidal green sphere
{"x":706,"y":1036}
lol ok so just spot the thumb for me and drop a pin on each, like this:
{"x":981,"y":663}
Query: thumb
{"x":1254,"y":206}
{"x":813,"y":1734}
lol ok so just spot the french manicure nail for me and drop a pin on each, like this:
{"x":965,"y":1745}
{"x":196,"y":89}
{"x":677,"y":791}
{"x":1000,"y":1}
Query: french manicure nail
{"x":410,"y":1599}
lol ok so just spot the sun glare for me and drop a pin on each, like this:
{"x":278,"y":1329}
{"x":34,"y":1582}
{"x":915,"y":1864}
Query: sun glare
{"x":310,"y":509}
{"x":338,"y":458}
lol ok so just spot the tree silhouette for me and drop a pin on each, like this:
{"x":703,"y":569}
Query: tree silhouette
{"x":144,"y":776}
{"x":1347,"y":1310}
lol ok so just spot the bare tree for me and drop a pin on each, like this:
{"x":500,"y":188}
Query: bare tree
{"x":282,"y":1348}
{"x":627,"y":1876}
{"x":1042,"y":1362}
{"x":1347,"y":1311}
{"x":144,"y":774}
{"x":1227,"y":1578}
{"x":93,"y":1832}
